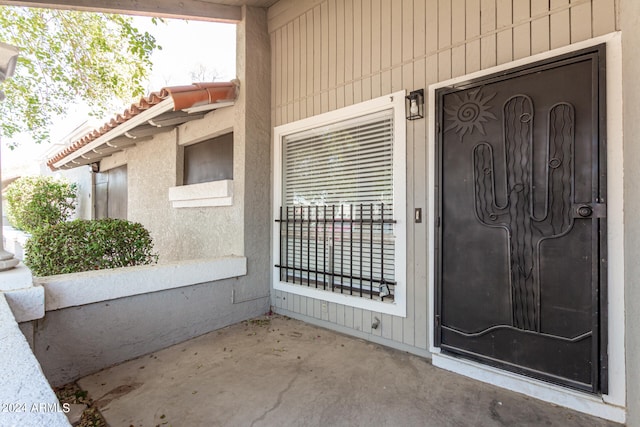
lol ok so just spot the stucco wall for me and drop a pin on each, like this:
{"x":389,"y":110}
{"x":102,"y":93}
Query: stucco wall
{"x":23,"y":384}
{"x":153,"y":167}
{"x":156,"y":165}
{"x":253,"y":56}
{"x":76,"y":341}
{"x":183,"y":233}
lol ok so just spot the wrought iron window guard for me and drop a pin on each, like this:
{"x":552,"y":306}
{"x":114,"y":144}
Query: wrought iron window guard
{"x":349,"y":251}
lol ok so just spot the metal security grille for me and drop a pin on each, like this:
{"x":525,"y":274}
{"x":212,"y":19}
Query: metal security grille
{"x":340,"y":248}
{"x":336,"y":222}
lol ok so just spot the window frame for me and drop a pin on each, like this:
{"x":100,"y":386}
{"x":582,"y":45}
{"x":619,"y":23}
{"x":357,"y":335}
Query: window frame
{"x":205,"y":194}
{"x":396,"y":102}
{"x":224,"y":138}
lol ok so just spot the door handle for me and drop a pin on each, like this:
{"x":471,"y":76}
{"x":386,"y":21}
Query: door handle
{"x":589,"y":210}
{"x":585,"y":211}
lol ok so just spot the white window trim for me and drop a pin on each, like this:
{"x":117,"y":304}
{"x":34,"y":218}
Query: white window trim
{"x":210,"y":135}
{"x":204,"y":194}
{"x":395,"y":101}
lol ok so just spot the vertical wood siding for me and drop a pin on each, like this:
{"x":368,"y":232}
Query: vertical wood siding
{"x":327,"y":54}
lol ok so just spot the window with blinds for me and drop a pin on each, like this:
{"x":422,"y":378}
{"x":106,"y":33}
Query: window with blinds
{"x":336,"y":222}
{"x":346,"y":163}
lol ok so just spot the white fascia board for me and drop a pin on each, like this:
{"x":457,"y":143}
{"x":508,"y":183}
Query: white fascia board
{"x":209,"y":107}
{"x":136,"y":121}
{"x":142,"y":118}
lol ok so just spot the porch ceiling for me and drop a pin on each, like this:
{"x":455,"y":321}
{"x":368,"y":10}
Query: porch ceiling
{"x":153,"y":114}
{"x":203,"y":10}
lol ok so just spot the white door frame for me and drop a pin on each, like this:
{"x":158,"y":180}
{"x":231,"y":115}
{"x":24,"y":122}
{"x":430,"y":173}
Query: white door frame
{"x":611,"y":405}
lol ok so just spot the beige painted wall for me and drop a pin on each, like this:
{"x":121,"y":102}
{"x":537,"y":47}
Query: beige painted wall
{"x":185,"y":233}
{"x":328,"y":54}
{"x":332,"y":53}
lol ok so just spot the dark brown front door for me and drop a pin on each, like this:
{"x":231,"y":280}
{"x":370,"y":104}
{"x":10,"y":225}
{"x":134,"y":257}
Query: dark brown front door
{"x":111,"y":193}
{"x":521,"y":221}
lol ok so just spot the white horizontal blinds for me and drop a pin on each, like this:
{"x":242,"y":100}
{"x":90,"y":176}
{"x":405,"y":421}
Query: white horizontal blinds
{"x":350,"y":162}
{"x":338,"y":190}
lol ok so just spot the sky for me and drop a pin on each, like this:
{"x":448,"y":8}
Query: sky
{"x":187,"y":46}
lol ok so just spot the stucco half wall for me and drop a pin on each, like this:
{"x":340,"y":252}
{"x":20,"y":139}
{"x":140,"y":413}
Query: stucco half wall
{"x":97,"y":319}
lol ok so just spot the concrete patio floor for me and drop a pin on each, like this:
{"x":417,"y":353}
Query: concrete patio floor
{"x":276,"y":371}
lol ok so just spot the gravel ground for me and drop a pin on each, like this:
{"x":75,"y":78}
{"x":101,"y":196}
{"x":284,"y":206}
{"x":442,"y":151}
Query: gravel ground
{"x":74,"y":395}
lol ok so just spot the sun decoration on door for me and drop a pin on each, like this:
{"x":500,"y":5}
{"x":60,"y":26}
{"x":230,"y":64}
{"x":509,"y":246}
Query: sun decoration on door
{"x":469,"y":112}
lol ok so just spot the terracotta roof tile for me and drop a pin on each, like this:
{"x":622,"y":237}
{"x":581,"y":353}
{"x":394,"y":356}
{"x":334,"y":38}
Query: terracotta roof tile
{"x":184,"y":97}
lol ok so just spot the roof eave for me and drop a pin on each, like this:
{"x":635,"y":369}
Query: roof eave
{"x":152,"y":114}
{"x":141,"y":119}
{"x":162,"y":107}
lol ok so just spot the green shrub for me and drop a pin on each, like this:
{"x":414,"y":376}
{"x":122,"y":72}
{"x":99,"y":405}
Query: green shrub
{"x":82,"y":245}
{"x":38,"y":201}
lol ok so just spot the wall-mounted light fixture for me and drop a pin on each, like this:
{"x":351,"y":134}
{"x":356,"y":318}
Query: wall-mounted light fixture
{"x":415,"y":104}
